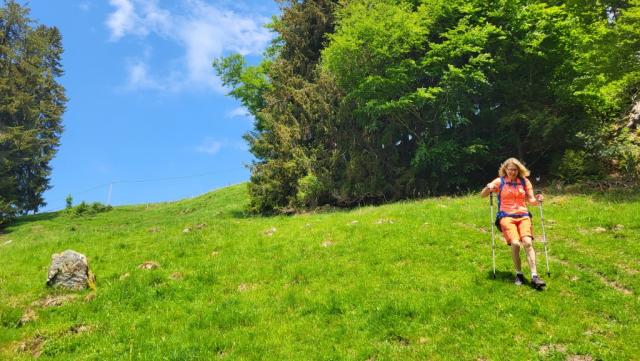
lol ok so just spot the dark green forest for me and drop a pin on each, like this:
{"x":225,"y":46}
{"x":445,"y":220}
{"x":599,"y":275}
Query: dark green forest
{"x":367,"y":101}
{"x":31,"y":106}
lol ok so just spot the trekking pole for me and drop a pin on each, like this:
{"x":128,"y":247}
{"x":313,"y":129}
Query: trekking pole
{"x":493,"y":241}
{"x":544,"y":235}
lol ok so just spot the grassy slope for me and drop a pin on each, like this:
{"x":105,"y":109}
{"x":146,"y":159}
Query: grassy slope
{"x":402,"y":281}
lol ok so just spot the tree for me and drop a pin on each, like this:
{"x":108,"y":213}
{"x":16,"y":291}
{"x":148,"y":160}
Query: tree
{"x":31,"y":106}
{"x":288,"y":100}
{"x":379,"y":100}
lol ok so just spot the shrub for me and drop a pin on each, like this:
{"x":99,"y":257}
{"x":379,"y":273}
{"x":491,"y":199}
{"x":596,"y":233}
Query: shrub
{"x":85,"y":209}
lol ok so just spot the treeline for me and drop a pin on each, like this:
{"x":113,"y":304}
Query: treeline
{"x":364,"y":101}
{"x":31,"y":106}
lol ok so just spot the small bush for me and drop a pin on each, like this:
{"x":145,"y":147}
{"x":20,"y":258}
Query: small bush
{"x":578,"y":166}
{"x":85,"y":209}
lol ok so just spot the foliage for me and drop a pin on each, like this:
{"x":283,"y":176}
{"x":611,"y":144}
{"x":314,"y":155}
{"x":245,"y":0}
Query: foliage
{"x":68,"y":202}
{"x":86,"y":209}
{"x":31,"y":106}
{"x":408,"y":98}
{"x":289,"y":101}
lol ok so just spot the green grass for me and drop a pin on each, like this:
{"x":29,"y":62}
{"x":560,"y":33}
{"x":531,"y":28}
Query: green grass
{"x":405,"y":281}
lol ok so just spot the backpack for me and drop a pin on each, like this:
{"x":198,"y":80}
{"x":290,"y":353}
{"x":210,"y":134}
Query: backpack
{"x":502,"y":214}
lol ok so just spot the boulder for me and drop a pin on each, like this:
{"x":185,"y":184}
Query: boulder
{"x":70,"y":270}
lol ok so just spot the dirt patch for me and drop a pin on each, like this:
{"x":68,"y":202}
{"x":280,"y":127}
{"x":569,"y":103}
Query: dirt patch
{"x":579,"y":358}
{"x":155,"y":229}
{"x":547,"y":349}
{"x":615,"y":285}
{"x":328,"y":243}
{"x":55,"y":301}
{"x":270,"y":232}
{"x":29,"y":316}
{"x":33,"y":345}
{"x":149,"y":265}
{"x":246,"y":287}
{"x":80,"y":328}
{"x":583,"y":231}
{"x":628,"y":270}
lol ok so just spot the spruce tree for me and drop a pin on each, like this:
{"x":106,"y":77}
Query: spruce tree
{"x":31,"y":106}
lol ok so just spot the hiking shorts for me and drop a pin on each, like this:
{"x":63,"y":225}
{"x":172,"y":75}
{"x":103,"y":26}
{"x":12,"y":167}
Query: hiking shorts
{"x":514,"y":229}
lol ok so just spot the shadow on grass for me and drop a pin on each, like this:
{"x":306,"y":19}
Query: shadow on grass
{"x":508,"y":277}
{"x":28,"y":219}
{"x":501,"y":276}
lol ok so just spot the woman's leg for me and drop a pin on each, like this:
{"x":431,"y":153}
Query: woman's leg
{"x":515,"y":255}
{"x":527,"y":242}
{"x":511,"y":235}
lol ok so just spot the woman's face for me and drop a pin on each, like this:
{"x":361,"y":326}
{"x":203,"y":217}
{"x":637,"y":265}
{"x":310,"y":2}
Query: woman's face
{"x":512,"y":171}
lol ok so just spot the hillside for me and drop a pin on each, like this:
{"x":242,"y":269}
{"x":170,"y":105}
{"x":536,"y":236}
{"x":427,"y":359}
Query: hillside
{"x":405,"y":281}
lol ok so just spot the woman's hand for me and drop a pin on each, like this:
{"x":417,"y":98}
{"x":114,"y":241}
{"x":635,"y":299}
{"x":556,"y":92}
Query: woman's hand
{"x":490,"y":186}
{"x":539,"y":197}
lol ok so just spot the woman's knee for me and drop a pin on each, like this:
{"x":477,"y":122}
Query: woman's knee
{"x":516,"y":243}
{"x":527,"y":242}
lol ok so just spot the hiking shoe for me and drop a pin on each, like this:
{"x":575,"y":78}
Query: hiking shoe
{"x":519,"y":281}
{"x":537,"y":282}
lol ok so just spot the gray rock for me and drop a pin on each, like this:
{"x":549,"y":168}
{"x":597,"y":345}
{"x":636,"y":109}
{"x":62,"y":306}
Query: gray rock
{"x":70,"y":270}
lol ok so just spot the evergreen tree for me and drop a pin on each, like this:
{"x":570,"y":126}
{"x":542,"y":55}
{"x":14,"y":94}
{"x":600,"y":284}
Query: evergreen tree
{"x":378,"y":100}
{"x":31,"y":106}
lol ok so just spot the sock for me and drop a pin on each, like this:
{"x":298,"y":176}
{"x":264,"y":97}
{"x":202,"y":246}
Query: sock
{"x":519,"y":273}
{"x":534,"y":275}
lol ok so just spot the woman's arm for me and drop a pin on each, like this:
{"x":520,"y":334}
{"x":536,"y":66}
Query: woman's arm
{"x":531,"y":199}
{"x":487,"y":189}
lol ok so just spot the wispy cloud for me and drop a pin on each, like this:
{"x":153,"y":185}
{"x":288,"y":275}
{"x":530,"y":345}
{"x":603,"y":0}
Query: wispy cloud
{"x":239,"y":112}
{"x":138,"y":17}
{"x":210,"y":146}
{"x":202,"y":30}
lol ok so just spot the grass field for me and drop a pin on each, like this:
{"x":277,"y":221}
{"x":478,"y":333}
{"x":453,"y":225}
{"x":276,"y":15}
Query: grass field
{"x":405,"y":281}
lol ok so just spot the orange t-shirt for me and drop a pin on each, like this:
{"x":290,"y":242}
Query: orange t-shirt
{"x":514,"y":195}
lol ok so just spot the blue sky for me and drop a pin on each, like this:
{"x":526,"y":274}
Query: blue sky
{"x":146,"y":112}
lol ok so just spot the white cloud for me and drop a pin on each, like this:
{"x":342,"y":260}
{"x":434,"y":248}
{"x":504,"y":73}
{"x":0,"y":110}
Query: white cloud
{"x":138,"y":76}
{"x":123,"y":20}
{"x":210,"y":146}
{"x":239,"y":112}
{"x":203,"y":31}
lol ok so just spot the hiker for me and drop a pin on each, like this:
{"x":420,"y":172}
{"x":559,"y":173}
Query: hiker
{"x":513,"y":218}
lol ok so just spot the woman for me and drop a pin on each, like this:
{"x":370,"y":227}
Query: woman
{"x":513,"y":218}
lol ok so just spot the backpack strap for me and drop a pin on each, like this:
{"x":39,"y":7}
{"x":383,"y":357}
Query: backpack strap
{"x":500,"y":191}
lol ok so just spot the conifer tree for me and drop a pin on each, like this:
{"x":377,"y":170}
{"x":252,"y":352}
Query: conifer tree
{"x":31,"y":106}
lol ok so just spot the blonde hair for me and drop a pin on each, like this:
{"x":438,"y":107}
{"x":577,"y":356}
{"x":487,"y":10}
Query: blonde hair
{"x":522,"y":170}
